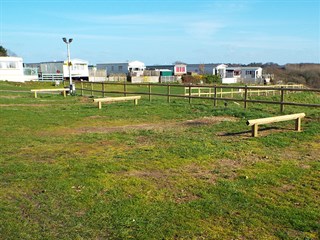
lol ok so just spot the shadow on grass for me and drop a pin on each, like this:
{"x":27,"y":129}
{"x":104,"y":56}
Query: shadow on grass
{"x":261,"y":130}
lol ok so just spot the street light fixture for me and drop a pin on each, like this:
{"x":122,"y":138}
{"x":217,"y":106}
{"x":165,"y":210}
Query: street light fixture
{"x":69,"y":62}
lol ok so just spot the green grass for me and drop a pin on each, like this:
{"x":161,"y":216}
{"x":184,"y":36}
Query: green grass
{"x":71,"y":171}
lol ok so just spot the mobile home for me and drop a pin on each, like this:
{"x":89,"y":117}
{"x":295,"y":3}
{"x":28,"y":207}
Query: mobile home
{"x":59,"y":70}
{"x":11,"y":69}
{"x":248,"y":75}
{"x":178,"y":68}
{"x":133,"y":68}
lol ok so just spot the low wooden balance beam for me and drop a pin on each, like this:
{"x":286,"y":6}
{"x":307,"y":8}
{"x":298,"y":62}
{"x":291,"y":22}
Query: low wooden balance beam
{"x":116,"y":99}
{"x":63,"y":90}
{"x":256,"y":122}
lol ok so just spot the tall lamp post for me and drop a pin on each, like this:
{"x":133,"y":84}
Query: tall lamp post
{"x":69,"y":62}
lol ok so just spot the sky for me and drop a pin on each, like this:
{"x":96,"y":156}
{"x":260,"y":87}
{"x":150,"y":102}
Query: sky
{"x":163,"y":31}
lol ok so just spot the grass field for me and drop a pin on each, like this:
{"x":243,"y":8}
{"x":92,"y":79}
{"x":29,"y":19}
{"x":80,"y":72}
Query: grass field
{"x":156,"y":170}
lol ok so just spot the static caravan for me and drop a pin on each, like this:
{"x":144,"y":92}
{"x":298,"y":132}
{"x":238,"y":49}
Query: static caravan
{"x":220,"y":70}
{"x":207,"y":68}
{"x":251,"y":74}
{"x":178,"y":68}
{"x":201,"y":68}
{"x":134,"y":68}
{"x":79,"y":69}
{"x":232,"y":75}
{"x":11,"y":69}
{"x":59,"y":70}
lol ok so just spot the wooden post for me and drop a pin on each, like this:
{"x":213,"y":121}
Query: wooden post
{"x":189,"y":93}
{"x":231,"y":92}
{"x":220,"y":92}
{"x":81,"y":88}
{"x":254,"y":130}
{"x":135,"y":101}
{"x":125,"y":88}
{"x":282,"y":100}
{"x":103,"y":89}
{"x":215,"y":96}
{"x":199,"y":91}
{"x":149,"y":92}
{"x":99,"y":105}
{"x":298,"y":124}
{"x":245,"y":96}
{"x":92,"y":89}
{"x":168,"y":91}
{"x":65,"y":93}
{"x":35,"y":94}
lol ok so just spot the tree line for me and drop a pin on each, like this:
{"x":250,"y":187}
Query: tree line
{"x":302,"y":73}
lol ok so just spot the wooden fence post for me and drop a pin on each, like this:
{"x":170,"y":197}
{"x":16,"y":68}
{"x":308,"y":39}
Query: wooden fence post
{"x":215,"y":96}
{"x":103,"y":89}
{"x":282,"y":100}
{"x":168,"y":91}
{"x":189,"y":93}
{"x":91,"y":89}
{"x":245,"y":96}
{"x":149,"y":92}
{"x":81,"y":88}
{"x":125,"y":88}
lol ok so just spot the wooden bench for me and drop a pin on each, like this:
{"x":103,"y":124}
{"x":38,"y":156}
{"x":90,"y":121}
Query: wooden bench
{"x":256,"y":122}
{"x":116,"y":99}
{"x":63,"y":90}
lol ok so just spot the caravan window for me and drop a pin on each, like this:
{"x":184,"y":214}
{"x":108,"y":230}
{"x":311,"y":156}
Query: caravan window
{"x":78,"y":67}
{"x":12,"y":64}
{"x":250,"y":73}
{"x":237,"y":72}
{"x":8,"y":65}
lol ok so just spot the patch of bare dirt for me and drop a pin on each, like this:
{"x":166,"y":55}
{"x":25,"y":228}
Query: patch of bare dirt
{"x":10,"y":97}
{"x":24,"y":105}
{"x":157,"y":126}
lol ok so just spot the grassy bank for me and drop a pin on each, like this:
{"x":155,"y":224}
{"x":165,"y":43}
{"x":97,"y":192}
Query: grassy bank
{"x":154,"y":171}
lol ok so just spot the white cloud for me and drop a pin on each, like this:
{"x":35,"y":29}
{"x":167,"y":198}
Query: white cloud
{"x":203,"y":29}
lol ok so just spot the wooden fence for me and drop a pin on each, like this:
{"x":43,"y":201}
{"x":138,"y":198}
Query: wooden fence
{"x":253,"y":90}
{"x":213,"y":92}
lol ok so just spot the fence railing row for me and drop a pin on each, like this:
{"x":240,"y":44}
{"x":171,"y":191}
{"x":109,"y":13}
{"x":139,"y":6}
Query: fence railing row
{"x":210,"y":92}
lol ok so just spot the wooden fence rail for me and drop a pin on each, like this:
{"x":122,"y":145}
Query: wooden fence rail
{"x":208,"y":91}
{"x":214,"y":92}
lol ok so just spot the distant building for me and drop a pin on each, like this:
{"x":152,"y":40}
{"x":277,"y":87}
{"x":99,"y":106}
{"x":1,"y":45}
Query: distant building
{"x":59,"y":70}
{"x":207,"y":68}
{"x":134,"y":68}
{"x":252,"y":75}
{"x":177,"y":68}
{"x":11,"y":69}
{"x":248,"y":75}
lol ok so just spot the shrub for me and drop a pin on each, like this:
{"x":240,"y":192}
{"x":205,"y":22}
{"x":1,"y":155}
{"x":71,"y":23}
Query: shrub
{"x":210,"y":79}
